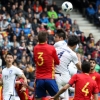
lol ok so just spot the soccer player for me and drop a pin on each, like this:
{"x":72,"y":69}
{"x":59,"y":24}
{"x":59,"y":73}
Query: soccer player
{"x":8,"y":78}
{"x":45,"y":58}
{"x":68,"y":59}
{"x":21,"y":90}
{"x":94,"y":75}
{"x":84,"y":85}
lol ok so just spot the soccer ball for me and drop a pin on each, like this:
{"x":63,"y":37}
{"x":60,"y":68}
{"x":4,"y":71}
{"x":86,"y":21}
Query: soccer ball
{"x":67,"y":6}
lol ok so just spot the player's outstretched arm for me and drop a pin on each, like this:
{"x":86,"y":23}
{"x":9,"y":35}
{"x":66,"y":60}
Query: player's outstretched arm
{"x":30,"y":88}
{"x":78,"y":65}
{"x":95,"y":96}
{"x":23,"y":76}
{"x":56,"y":97}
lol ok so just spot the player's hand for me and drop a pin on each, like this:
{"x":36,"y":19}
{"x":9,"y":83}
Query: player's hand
{"x":23,"y":89}
{"x":53,"y":98}
{"x":25,"y":84}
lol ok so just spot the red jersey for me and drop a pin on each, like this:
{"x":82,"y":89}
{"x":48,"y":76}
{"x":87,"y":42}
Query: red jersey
{"x":84,"y":86}
{"x":22,"y":95}
{"x":45,"y":58}
{"x":96,"y":76}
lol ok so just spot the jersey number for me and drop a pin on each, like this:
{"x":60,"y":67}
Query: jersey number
{"x":40,"y":57}
{"x":85,"y":90}
{"x":60,"y":54}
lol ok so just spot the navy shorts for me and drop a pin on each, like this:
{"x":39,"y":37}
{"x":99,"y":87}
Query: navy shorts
{"x":44,"y":85}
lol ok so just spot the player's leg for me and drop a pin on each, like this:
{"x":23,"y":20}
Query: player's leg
{"x":66,"y":95}
{"x":40,"y":90}
{"x":15,"y":98}
{"x":65,"y":79}
{"x":59,"y":81}
{"x":7,"y":97}
{"x":51,"y":86}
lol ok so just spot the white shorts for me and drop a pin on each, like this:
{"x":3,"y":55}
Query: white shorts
{"x":10,"y":97}
{"x":61,"y":81}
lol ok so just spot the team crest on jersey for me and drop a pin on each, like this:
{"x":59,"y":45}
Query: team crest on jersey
{"x":10,"y":71}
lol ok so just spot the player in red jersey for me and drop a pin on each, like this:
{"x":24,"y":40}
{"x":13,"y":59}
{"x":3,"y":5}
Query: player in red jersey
{"x":95,"y":75}
{"x":84,"y":85}
{"x":45,"y":58}
{"x":21,"y":91}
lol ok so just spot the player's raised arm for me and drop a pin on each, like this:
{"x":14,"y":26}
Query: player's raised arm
{"x":73,"y":42}
{"x":78,"y":65}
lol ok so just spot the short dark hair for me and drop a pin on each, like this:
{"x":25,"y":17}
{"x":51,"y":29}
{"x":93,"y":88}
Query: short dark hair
{"x":9,"y":53}
{"x":73,"y":40}
{"x":86,"y":67}
{"x":42,"y":36}
{"x":92,"y":60}
{"x":61,"y":33}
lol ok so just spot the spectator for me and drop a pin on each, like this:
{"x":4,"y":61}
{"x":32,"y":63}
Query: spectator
{"x":44,"y":20}
{"x":13,"y":10}
{"x":29,"y":11}
{"x":52,"y":13}
{"x":55,"y":6}
{"x":4,"y":24}
{"x":37,"y":7}
{"x":67,"y":18}
{"x":28,"y":5}
{"x":8,"y":8}
{"x":97,"y":18}
{"x":76,"y":27}
{"x":51,"y":24}
{"x":44,"y":12}
{"x":73,"y":32}
{"x":60,"y":14}
{"x":89,"y":37}
{"x":35,"y":25}
{"x":67,"y":26}
{"x":97,"y":58}
{"x":12,"y":23}
{"x":26,"y":30}
{"x":90,"y":13}
{"x":89,"y":49}
{"x":28,"y":24}
{"x":83,"y":39}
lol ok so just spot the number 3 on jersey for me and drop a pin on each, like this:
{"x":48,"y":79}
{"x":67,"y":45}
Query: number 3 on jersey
{"x":85,"y":90}
{"x":40,"y":57}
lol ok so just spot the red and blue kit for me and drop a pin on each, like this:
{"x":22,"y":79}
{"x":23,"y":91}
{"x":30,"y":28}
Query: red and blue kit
{"x":84,"y":86}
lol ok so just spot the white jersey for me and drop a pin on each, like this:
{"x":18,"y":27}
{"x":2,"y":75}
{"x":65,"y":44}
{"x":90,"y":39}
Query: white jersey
{"x":9,"y":78}
{"x":60,"y":44}
{"x":67,"y":58}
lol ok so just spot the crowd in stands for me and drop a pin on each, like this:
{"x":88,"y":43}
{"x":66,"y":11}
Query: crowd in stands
{"x":21,"y":20}
{"x":90,"y":9}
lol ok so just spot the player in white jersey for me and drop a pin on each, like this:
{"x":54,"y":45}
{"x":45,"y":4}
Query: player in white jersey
{"x":68,"y":59}
{"x":9,"y":75}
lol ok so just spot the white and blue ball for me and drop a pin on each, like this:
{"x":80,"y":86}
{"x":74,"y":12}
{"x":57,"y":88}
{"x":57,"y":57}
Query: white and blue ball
{"x":67,"y":6}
